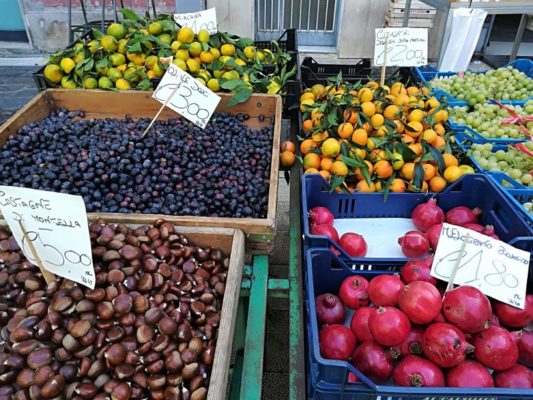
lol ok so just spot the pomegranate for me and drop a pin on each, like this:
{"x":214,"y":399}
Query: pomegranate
{"x":417,"y":270}
{"x":421,"y":301}
{"x":514,"y":317}
{"x":414,"y":244}
{"x":418,"y":372}
{"x":321,"y":215}
{"x":353,"y":244}
{"x":475,"y":227}
{"x":524,"y":342}
{"x":488,"y":230}
{"x":469,"y":374}
{"x":359,"y":324}
{"x":494,"y":320}
{"x":352,"y":378}
{"x":336,"y":342}
{"x":426,"y":215}
{"x":412,"y":345}
{"x":384,"y":290}
{"x":467,"y":308}
{"x":495,"y":237}
{"x":433,"y":235}
{"x":373,"y":361}
{"x":517,"y":377}
{"x":329,"y":309}
{"x":444,"y":344}
{"x":389,"y":326}
{"x":439,"y":318}
{"x":463,"y":215}
{"x":326,"y":230}
{"x":495,"y":348}
{"x":354,"y":292}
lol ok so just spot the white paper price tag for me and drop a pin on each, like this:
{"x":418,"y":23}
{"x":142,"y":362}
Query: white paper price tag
{"x":406,"y":47}
{"x":56,"y":224}
{"x":191,"y":99}
{"x":199,"y":20}
{"x":497,"y":269}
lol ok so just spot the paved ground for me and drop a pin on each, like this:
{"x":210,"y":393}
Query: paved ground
{"x":16,"y":88}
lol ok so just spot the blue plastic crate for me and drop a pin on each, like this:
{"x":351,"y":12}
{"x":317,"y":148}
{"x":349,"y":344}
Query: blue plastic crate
{"x":472,"y":190}
{"x":480,"y":138}
{"x":327,"y":379}
{"x":427,"y":73}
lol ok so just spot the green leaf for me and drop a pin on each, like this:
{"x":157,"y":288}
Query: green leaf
{"x":335,"y":182}
{"x":89,"y":65}
{"x":134,"y":48}
{"x":240,"y":96}
{"x":130,"y":14}
{"x":407,"y":154}
{"x":231,"y":63}
{"x":214,"y":41}
{"x":345,"y":151}
{"x":332,"y":117}
{"x":244,"y":42}
{"x":168,"y":25}
{"x":386,"y":188}
{"x":232,"y":84}
{"x":437,"y":156}
{"x":97,"y":34}
{"x":419,"y":176}
{"x":103,"y":63}
{"x":145,"y":84}
{"x":353,"y":163}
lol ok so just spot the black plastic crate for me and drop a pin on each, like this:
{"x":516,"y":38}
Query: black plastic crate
{"x":288,"y":42}
{"x":313,"y":72}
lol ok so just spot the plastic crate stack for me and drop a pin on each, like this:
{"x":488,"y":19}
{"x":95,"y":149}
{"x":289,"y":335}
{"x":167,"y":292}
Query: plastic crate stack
{"x":324,"y":272}
{"x":420,"y":16}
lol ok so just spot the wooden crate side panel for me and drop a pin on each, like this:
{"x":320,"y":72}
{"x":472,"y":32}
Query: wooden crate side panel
{"x":274,"y":166}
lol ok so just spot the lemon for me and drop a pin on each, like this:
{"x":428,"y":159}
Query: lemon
{"x":240,"y":62}
{"x":245,"y":77}
{"x":67,"y":83}
{"x":105,"y":83}
{"x":185,"y":35}
{"x":203,"y":36}
{"x":397,"y":161}
{"x":183,"y":54}
{"x":180,"y":63}
{"x":260,"y":55}
{"x":201,"y":81}
{"x":195,"y":49}
{"x":165,"y":38}
{"x":249,"y":52}
{"x":52,"y":72}
{"x":155,"y":28}
{"x":101,"y":70}
{"x":175,"y":46}
{"x":150,"y":74}
{"x":150,"y":61}
{"x":227,"y":49}
{"x":78,"y":57}
{"x":215,"y":52}
{"x":109,"y":43}
{"x":131,"y":74}
{"x":218,"y":73}
{"x":114,"y":74}
{"x":193,"y":65}
{"x":466,"y":169}
{"x":117,"y":59}
{"x":93,"y":45}
{"x":330,"y":148}
{"x":207,"y":57}
{"x":204,"y":74}
{"x":122,"y":46}
{"x":78,"y":47}
{"x":118,"y":31}
{"x":213,"y":84}
{"x":157,"y":70}
{"x":229,"y":75}
{"x":122,"y":84}
{"x":67,"y":64}
{"x":90,"y":83}
{"x":136,"y":58}
{"x":122,"y":67}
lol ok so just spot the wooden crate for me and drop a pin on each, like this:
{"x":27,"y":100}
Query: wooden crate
{"x":262,"y":109}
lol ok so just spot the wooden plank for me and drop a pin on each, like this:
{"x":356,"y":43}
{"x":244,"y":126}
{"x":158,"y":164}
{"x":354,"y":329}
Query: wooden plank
{"x":274,"y":166}
{"x":219,"y":373}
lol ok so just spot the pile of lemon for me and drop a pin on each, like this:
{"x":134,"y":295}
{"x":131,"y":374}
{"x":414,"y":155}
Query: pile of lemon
{"x":128,"y":56}
{"x":371,"y":138}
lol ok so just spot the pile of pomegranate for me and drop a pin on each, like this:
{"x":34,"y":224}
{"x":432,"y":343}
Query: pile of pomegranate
{"x":406,"y":328}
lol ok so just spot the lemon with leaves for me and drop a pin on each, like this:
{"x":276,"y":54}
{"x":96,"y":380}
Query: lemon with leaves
{"x":122,"y":84}
{"x":230,"y":75}
{"x":215,"y":52}
{"x":175,"y":46}
{"x":260,"y":56}
{"x":157,"y":70}
{"x":53,"y":73}
{"x":118,"y":31}
{"x":67,"y":83}
{"x":93,"y":45}
{"x":105,"y":83}
{"x":195,"y":49}
{"x":204,"y":74}
{"x":117,"y":59}
{"x":240,"y":62}
{"x":217,"y":73}
{"x":183,"y":54}
{"x":109,"y":43}
{"x":90,"y":83}
{"x":192,"y":65}
{"x":79,"y":57}
{"x":67,"y":64}
{"x":213,"y":84}
{"x":122,"y":46}
{"x":155,"y":28}
{"x":203,"y":36}
{"x":185,"y":35}
{"x":114,"y":74}
{"x":207,"y":57}
{"x":227,"y":49}
{"x":150,"y":61}
{"x":180,"y":63}
{"x":165,"y":38}
{"x":249,"y":52}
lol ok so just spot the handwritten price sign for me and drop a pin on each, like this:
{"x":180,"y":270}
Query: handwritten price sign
{"x":56,"y":225}
{"x":197,"y":21}
{"x":494,"y":267}
{"x":406,"y":47}
{"x":191,"y":99}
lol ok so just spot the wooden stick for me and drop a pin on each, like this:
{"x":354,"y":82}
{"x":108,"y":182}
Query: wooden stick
{"x":456,"y":267}
{"x":384,"y":66}
{"x":160,"y":110}
{"x":48,"y":276}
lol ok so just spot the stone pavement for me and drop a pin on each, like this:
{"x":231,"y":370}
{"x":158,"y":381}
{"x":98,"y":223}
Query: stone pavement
{"x":16,"y":89}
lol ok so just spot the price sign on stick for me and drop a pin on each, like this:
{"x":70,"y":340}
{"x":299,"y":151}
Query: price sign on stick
{"x":185,"y":95}
{"x":406,"y":47}
{"x":497,"y":269}
{"x":51,"y":230}
{"x":199,"y":20}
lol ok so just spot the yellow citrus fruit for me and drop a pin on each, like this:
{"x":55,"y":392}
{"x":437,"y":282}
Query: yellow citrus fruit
{"x":311,"y":160}
{"x":287,"y":159}
{"x":450,"y":160}
{"x":368,"y":108}
{"x":339,"y":168}
{"x":90,"y":83}
{"x":150,"y":62}
{"x":180,"y":63}
{"x":109,"y":43}
{"x":307,"y":145}
{"x":437,"y":184}
{"x":326,"y":163}
{"x":249,"y":52}
{"x":318,"y":90}
{"x":391,"y":112}
{"x":397,"y":161}
{"x":311,"y":171}
{"x":430,"y":136}
{"x":440,"y":143}
{"x":195,"y":49}
{"x":416,"y":148}
{"x":439,"y":128}
{"x":408,"y":171}
{"x":365,"y":94}
{"x":185,"y":35}
{"x":412,"y":90}
{"x":105,"y":83}
{"x":227,"y":49}
{"x":240,"y":62}
{"x":150,"y":74}
{"x":441,"y":116}
{"x":370,"y":144}
{"x":307,"y":95}
{"x":398,"y":88}
{"x":207,"y":57}
{"x":377,"y":120}
{"x":229,"y":75}
{"x":158,"y":71}
{"x":432,"y":102}
{"x":155,"y":28}
{"x":203,"y":36}
{"x":52,"y":72}
{"x":67,"y":64}
{"x":215,"y":52}
{"x":452,"y":173}
{"x":122,"y":46}
{"x":165,"y":38}
{"x":67,"y":83}
{"x":355,"y":151}
{"x":416,"y":115}
{"x":467,"y":169}
{"x":213,"y":84}
{"x":345,"y":130}
{"x":305,"y":103}
{"x":415,"y":129}
{"x":401,"y":100}
{"x":175,"y":46}
{"x":114,"y":74}
{"x":330,"y":148}
{"x":192,"y":65}
{"x":360,"y":137}
{"x":122,"y":84}
{"x":363,"y":187}
{"x":325,"y":174}
{"x":118,"y":59}
{"x":397,"y":185}
{"x":118,"y":31}
{"x":383,"y":169}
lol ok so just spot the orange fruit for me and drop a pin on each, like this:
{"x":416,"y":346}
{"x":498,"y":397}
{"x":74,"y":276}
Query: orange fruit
{"x":439,"y":128}
{"x":370,"y":144}
{"x":441,"y":116}
{"x":318,"y":91}
{"x":377,"y":120}
{"x":345,"y":130}
{"x":414,"y":129}
{"x":397,"y":185}
{"x":432,"y":102}
{"x":407,"y":139}
{"x":379,"y":106}
{"x":307,"y":95}
{"x":359,"y":152}
{"x":307,"y":126}
{"x":401,"y":100}
{"x":429,"y":135}
{"x":366,"y":95}
{"x":452,"y":173}
{"x":417,"y":148}
{"x":381,"y":131}
{"x":368,"y":108}
{"x":449,"y":160}
{"x":350,"y":116}
{"x":360,"y":137}
{"x":391,"y":112}
{"x":383,"y":169}
{"x":413,"y":188}
{"x":287,"y":159}
{"x":398,"y":88}
{"x":400,"y":128}
{"x":307,"y":145}
{"x":377,"y":155}
{"x":311,"y":160}
{"x":416,"y":115}
{"x":437,"y":184}
{"x":412,"y":90}
{"x":330,"y":147}
{"x":326,"y":163}
{"x":367,"y":127}
{"x":316,"y":116}
{"x":319,"y":136}
{"x":363,"y":187}
{"x":408,"y":171}
{"x":358,"y":173}
{"x":439,"y":143}
{"x":339,"y":168}
{"x":372,"y":84}
{"x":325,"y":174}
{"x":287,"y":145}
{"x":311,"y":171}
{"x":429,"y":171}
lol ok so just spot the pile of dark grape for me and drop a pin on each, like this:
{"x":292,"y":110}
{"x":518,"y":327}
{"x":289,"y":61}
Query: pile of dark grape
{"x":176,"y":169}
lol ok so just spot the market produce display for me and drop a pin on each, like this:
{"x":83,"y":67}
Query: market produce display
{"x":127,"y":56}
{"x":176,"y":169}
{"x":488,"y":120}
{"x":370,"y":138}
{"x":501,"y":84}
{"x":148,"y":330}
